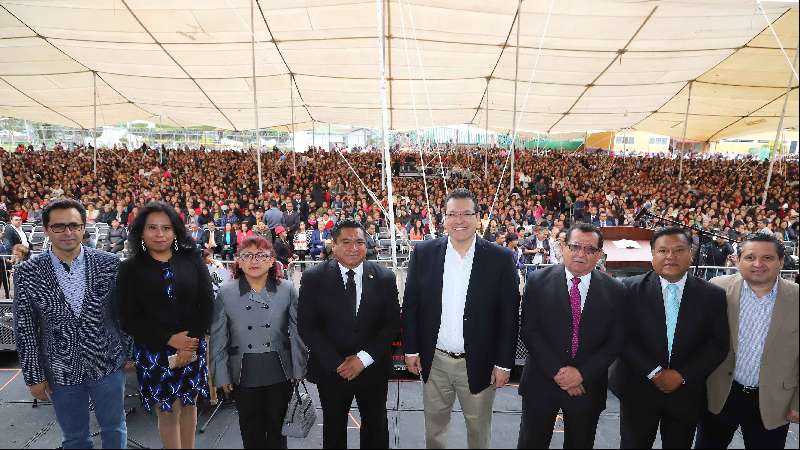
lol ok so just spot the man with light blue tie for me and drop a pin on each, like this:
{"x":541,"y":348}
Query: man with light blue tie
{"x":677,"y":334}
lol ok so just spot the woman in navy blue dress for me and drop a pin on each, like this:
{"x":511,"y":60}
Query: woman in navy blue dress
{"x":165,"y":303}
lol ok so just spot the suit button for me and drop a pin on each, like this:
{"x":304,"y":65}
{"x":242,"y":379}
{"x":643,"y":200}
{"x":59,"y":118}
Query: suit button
{"x":267,"y":344}
{"x":249,"y":345}
{"x":266,"y":306}
{"x":249,"y":327}
{"x":248,"y":308}
{"x":266,"y":326}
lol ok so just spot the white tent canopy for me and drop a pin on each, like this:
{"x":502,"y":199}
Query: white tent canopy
{"x":602,"y":65}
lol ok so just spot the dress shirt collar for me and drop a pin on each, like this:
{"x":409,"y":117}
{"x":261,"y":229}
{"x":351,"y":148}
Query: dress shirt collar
{"x":358,"y":270}
{"x":470,"y":253}
{"x":584,"y":279}
{"x":681,"y":283}
{"x":772,"y":295}
{"x":75,"y":263}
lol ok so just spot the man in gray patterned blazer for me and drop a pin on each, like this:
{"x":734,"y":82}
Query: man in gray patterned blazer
{"x":69,"y":342}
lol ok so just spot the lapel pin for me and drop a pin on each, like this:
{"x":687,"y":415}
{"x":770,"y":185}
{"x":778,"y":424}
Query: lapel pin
{"x":370,"y":276}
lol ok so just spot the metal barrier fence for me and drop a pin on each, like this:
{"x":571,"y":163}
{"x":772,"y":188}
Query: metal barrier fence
{"x":294,"y":270}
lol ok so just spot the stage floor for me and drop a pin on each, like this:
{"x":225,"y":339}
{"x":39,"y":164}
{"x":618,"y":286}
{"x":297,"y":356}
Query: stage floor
{"x":22,"y":426}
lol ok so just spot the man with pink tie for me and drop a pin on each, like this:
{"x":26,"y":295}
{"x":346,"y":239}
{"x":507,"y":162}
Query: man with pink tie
{"x":572,"y":327}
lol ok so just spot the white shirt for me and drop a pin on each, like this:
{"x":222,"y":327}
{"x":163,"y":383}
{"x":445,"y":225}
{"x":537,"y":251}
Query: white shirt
{"x":664,"y":283}
{"x":538,"y":258}
{"x":583,"y":287}
{"x":455,"y":283}
{"x":365,"y":357}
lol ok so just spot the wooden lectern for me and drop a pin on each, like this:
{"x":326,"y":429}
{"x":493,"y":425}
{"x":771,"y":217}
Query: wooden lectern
{"x":626,"y":259}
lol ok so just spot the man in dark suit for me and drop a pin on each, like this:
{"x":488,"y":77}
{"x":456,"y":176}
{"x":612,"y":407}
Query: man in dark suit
{"x":13,"y":234}
{"x":348,"y":317}
{"x":460,"y":322}
{"x":196,"y":234}
{"x":677,"y":335}
{"x":573,"y":329}
{"x":211,"y":238}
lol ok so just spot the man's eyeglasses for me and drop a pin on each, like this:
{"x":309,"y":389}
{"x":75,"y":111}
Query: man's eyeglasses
{"x":250,"y":257}
{"x":62,"y":227}
{"x":586,"y":249}
{"x":462,"y":214}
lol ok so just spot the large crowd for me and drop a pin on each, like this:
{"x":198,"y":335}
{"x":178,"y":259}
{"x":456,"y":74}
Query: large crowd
{"x":680,"y":368}
{"x":551,"y":191}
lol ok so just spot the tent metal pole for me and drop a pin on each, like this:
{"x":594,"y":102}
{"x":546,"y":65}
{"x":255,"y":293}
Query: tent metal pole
{"x":94,"y":128}
{"x":385,"y":125}
{"x":778,"y":141}
{"x":516,"y":82}
{"x":294,"y":147}
{"x":486,"y":151}
{"x":255,"y":95}
{"x":685,"y":127}
{"x":313,"y":135}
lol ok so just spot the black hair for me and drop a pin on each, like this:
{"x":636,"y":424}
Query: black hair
{"x":347,"y":223}
{"x":137,"y":228}
{"x":671,"y":231}
{"x":780,"y":249}
{"x":62,"y":203}
{"x":460,"y":194}
{"x":586,"y":228}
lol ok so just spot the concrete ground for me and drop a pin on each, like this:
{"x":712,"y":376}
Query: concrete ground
{"x":22,"y":426}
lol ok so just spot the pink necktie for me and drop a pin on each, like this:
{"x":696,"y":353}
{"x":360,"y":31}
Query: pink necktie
{"x":575,"y":303}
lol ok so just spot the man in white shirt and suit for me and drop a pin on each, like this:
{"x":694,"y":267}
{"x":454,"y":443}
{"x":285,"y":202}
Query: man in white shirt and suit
{"x":460,"y":322}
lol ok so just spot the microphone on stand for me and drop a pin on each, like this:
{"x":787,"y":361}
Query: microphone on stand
{"x":643,"y":211}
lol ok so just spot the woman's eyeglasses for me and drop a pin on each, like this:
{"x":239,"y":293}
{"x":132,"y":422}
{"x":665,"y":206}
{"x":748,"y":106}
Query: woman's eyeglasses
{"x":260,"y":257}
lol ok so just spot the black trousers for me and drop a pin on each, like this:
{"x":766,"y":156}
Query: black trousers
{"x":5,"y":276}
{"x":539,"y":418}
{"x":640,"y":420}
{"x":740,"y":410}
{"x":336,"y":398}
{"x":261,"y":412}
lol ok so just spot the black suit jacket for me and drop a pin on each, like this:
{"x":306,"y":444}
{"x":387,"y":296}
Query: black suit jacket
{"x":221,"y":241}
{"x":11,"y":235}
{"x":547,"y":333}
{"x":332,"y":333}
{"x":491,"y":313}
{"x":700,"y":345}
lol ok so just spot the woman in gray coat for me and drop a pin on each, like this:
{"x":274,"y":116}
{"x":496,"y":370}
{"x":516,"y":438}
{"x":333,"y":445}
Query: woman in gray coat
{"x":256,"y":351}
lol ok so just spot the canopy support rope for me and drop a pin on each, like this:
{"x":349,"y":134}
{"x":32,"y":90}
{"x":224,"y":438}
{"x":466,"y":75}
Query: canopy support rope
{"x":427,"y":93}
{"x":527,"y":94}
{"x":255,"y":96}
{"x":416,"y":122}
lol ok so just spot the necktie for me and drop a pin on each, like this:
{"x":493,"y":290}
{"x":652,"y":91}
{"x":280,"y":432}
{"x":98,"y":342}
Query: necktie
{"x":672,"y":308}
{"x":575,"y":303}
{"x":350,"y":291}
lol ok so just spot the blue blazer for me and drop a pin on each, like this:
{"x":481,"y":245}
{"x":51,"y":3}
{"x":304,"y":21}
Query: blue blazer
{"x":54,"y":345}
